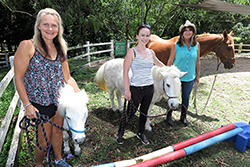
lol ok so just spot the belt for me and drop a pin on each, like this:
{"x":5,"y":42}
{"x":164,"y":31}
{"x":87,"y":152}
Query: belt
{"x":142,"y":87}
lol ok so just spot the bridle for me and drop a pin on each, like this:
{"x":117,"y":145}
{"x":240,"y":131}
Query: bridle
{"x":70,"y":128}
{"x":169,"y":97}
{"x":225,"y":58}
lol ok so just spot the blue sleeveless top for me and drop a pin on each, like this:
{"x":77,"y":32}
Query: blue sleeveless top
{"x":43,"y":79}
{"x":185,"y":60}
{"x":141,"y":69}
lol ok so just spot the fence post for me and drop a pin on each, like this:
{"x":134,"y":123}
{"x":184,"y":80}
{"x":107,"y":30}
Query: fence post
{"x":88,"y":51}
{"x":112,"y":49}
{"x":128,"y":45}
{"x":12,"y":65}
{"x":7,"y":58}
{"x":240,"y":47}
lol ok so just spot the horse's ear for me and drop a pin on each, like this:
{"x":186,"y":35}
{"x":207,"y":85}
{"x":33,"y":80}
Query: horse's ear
{"x":231,"y":33}
{"x":182,"y":74}
{"x":164,"y":74}
{"x":225,"y":33}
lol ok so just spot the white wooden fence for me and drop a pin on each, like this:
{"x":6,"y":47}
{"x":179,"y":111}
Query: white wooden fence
{"x":6,"y":61}
{"x":16,"y":140}
{"x":240,"y":47}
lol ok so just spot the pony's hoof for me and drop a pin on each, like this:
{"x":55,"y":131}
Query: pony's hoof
{"x":114,"y":109}
{"x":67,"y":152}
{"x":121,"y":110}
{"x":77,"y":153}
{"x":148,"y":129}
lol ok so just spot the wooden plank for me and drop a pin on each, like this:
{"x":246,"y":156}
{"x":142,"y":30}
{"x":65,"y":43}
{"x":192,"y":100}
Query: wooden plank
{"x":7,"y":120}
{"x":6,"y":80}
{"x":15,"y":144}
{"x":92,"y":53}
{"x":84,"y":46}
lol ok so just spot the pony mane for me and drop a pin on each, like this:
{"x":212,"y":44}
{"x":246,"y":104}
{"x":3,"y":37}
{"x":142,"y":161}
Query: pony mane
{"x":68,"y":97}
{"x":156,"y":71}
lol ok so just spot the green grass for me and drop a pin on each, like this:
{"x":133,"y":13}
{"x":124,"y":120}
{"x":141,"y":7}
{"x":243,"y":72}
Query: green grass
{"x":229,"y":103}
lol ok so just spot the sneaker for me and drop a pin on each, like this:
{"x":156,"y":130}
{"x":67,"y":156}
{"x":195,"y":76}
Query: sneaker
{"x":143,"y":138}
{"x":119,"y":138}
{"x":62,"y":163}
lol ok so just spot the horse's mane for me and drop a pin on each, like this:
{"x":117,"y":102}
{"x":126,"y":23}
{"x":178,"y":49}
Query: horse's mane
{"x":156,"y":71}
{"x":68,"y":97}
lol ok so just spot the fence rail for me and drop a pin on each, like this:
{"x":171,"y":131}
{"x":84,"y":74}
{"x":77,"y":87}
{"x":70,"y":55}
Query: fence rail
{"x":6,"y":57}
{"x":240,"y":47}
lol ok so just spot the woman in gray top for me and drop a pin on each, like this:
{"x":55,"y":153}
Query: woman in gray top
{"x":140,"y":89}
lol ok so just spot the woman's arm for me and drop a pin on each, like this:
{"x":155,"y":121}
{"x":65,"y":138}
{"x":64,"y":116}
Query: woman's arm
{"x":22,"y":57}
{"x":172,"y":56}
{"x":126,"y":67}
{"x":67,"y":77}
{"x":198,"y":65}
{"x":156,"y":60}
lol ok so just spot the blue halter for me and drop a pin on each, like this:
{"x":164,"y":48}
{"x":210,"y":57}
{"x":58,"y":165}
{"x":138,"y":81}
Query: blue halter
{"x":77,"y":131}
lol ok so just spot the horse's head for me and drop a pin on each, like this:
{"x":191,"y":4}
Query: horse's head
{"x":171,"y":83}
{"x":73,"y":107}
{"x":226,"y":51}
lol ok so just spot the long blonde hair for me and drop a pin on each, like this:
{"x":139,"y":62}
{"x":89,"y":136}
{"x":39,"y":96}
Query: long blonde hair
{"x":59,"y":41}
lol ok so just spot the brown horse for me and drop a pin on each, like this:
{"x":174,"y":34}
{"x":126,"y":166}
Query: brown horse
{"x":221,"y":44}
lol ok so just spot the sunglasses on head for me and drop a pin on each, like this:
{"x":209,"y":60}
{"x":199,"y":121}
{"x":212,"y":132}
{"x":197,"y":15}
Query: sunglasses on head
{"x":145,"y":25}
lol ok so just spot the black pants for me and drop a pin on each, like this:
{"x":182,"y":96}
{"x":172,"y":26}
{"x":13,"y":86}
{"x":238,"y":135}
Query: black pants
{"x":139,"y":95}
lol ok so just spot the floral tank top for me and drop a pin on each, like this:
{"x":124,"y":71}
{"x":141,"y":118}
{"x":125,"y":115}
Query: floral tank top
{"x":43,"y":79}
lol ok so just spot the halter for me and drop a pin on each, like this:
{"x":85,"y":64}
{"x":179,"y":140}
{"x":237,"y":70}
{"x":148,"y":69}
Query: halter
{"x":169,"y":97}
{"x":77,"y":131}
{"x":225,"y":58}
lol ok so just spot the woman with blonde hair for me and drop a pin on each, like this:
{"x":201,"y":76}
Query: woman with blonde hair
{"x":41,"y":68}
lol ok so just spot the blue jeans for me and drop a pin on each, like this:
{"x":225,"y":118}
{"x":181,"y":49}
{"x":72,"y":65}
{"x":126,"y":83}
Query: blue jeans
{"x":186,"y":88}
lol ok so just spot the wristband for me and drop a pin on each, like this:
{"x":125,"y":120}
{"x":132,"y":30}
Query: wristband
{"x":27,"y":105}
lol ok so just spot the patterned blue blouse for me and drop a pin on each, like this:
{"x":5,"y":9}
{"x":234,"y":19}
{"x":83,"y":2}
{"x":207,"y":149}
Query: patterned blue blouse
{"x":43,"y":79}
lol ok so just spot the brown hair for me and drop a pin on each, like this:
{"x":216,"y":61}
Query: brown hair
{"x":192,"y":39}
{"x":143,"y":26}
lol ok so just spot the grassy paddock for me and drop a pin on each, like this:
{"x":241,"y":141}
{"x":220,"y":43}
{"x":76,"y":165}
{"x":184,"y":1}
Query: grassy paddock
{"x":229,"y":103}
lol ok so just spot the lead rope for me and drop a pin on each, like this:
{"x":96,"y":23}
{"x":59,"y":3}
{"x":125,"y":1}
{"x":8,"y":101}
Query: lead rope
{"x":40,"y":120}
{"x":132,"y":106}
{"x":196,"y":87}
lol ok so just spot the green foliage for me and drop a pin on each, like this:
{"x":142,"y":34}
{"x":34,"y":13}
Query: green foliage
{"x":242,"y":32}
{"x":103,"y":20}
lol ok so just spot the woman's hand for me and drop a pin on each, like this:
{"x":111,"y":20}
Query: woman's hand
{"x":127,"y":95}
{"x":31,"y":112}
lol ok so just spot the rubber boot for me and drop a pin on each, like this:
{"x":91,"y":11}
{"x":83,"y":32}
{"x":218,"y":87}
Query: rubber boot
{"x":184,"y":115}
{"x":169,"y":117}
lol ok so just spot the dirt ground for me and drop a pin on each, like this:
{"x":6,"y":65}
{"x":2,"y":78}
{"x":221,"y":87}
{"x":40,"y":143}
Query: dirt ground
{"x":209,"y":65}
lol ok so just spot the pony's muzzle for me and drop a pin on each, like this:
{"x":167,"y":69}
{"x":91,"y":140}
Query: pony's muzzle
{"x":79,"y":138}
{"x":173,"y":103}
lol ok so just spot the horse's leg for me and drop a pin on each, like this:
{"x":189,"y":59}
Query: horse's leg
{"x":66,"y":142}
{"x":77,"y":149}
{"x":111,"y":95}
{"x":119,"y":99}
{"x":147,"y":125}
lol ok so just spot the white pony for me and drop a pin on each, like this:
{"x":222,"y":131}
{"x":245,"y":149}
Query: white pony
{"x":72,"y":106}
{"x":166,"y":84}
